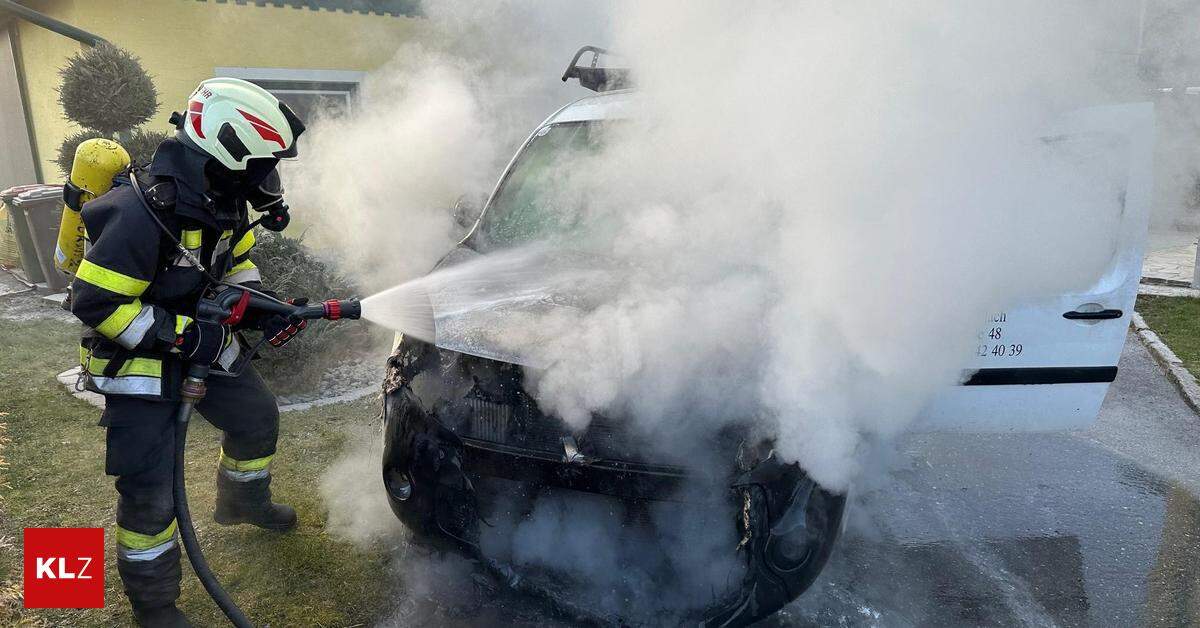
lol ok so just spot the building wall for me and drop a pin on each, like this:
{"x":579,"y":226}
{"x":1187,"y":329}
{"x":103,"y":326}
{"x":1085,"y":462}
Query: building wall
{"x":16,"y":161}
{"x":180,"y":42}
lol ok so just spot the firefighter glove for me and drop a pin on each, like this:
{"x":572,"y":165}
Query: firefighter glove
{"x":279,"y":330}
{"x":202,"y":341}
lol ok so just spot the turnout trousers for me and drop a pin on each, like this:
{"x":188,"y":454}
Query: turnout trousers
{"x":140,"y":453}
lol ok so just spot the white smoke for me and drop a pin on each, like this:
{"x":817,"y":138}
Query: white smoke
{"x":822,"y":201}
{"x":360,"y":516}
{"x":393,"y":167}
{"x":641,"y":562}
{"x":1170,"y":54}
{"x":434,"y":124}
{"x":815,"y":206}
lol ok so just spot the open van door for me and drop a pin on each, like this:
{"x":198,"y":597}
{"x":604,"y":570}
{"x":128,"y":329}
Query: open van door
{"x":1045,"y":364}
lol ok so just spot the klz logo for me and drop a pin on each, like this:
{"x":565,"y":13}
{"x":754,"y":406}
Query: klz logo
{"x":64,"y":567}
{"x":46,"y":569}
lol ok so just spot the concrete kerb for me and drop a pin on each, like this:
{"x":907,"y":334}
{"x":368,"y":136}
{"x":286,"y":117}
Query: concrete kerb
{"x":353,"y":395}
{"x":1163,"y":290}
{"x":1176,"y":372}
{"x":70,"y":379}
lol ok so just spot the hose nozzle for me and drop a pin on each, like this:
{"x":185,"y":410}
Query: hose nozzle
{"x":341,"y":308}
{"x":232,"y":304}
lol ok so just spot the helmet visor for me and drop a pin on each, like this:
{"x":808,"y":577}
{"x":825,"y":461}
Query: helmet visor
{"x":297,"y":126}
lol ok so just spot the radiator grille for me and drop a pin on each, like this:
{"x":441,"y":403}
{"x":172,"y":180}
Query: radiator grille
{"x":508,"y":425}
{"x":489,"y":421}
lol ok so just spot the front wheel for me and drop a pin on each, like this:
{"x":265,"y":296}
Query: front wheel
{"x":788,"y":525}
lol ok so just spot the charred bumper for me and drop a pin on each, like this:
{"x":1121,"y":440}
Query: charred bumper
{"x":788,"y":524}
{"x":425,"y":462}
{"x":627,"y":480}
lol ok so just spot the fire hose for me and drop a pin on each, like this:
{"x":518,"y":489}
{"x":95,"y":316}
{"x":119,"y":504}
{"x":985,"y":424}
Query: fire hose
{"x":228,"y":305}
{"x":230,"y":302}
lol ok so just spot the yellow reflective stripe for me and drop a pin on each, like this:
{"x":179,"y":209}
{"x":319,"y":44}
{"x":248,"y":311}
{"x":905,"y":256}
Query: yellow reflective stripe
{"x":258,"y":464}
{"x":119,"y":319}
{"x":145,"y":367}
{"x":245,"y":244}
{"x":192,"y":238}
{"x":246,"y":265}
{"x":181,"y":322}
{"x":139,"y":541}
{"x":226,"y":234}
{"x":148,"y":367}
{"x":110,"y":280}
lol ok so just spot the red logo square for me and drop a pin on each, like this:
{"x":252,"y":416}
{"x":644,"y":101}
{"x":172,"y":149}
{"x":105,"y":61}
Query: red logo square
{"x":64,"y":567}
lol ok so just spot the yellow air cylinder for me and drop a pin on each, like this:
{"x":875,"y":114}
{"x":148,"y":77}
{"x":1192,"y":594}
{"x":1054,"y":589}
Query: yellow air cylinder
{"x":96,"y":162}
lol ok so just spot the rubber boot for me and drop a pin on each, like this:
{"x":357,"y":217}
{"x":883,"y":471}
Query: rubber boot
{"x":152,"y":587}
{"x":250,"y":502}
{"x":161,"y":617}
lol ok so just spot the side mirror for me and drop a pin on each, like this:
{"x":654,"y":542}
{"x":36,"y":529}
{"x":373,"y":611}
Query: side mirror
{"x":466,"y":211}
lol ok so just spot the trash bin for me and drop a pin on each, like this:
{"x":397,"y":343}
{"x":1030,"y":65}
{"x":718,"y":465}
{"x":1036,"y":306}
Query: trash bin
{"x":20,"y":231}
{"x":10,"y":257}
{"x":35,"y":213}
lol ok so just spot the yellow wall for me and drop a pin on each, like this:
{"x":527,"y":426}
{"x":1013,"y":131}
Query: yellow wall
{"x":180,"y":42}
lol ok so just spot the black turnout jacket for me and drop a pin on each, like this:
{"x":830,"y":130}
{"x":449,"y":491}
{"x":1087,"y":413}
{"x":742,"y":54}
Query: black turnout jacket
{"x":135,"y":291}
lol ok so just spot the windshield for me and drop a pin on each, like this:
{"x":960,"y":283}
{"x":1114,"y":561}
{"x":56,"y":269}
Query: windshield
{"x":542,"y":198}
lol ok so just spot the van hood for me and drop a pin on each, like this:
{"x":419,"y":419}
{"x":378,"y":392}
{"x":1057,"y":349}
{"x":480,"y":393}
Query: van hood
{"x":514,"y":310}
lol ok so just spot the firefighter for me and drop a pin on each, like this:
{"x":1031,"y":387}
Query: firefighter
{"x":136,"y":292}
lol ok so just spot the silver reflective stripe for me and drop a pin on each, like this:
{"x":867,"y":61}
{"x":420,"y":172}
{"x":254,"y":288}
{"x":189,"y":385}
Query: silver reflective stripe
{"x":230,"y":354}
{"x":246,"y":476}
{"x":186,"y":261}
{"x":128,"y":385}
{"x":221,"y":247}
{"x":126,"y":553}
{"x":137,"y":328}
{"x":242,"y":276}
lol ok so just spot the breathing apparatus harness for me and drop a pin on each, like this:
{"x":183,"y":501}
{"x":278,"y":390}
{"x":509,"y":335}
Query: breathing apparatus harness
{"x":227,"y":306}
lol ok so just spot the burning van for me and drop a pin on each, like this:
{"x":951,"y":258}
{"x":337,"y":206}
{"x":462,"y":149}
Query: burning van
{"x":453,"y":420}
{"x":457,"y":424}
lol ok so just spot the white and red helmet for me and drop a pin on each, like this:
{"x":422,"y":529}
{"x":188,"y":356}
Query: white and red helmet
{"x":235,"y":121}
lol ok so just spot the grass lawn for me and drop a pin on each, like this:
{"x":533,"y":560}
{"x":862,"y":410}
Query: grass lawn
{"x":55,"y":477}
{"x":1177,"y":321}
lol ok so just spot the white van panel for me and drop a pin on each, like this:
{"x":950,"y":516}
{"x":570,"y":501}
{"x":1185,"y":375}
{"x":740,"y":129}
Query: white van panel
{"x":1046,"y":364}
